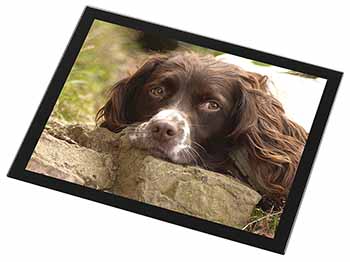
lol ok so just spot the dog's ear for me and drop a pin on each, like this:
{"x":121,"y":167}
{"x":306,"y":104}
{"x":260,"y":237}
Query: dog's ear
{"x":244,"y":114}
{"x":114,"y":114}
{"x":273,"y":141}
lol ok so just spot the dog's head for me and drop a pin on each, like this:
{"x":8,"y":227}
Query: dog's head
{"x":186,"y":107}
{"x":181,"y":107}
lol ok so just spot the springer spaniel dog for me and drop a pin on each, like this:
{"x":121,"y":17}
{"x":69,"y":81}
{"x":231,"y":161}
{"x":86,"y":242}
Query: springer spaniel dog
{"x":197,"y":110}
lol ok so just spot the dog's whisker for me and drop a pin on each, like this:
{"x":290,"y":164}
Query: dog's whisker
{"x":186,"y":156}
{"x":198,"y":156}
{"x":199,"y":146}
{"x":188,"y":152}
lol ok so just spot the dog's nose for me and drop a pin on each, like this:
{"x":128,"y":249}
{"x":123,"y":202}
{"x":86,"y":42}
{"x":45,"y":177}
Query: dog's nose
{"x":163,"y":130}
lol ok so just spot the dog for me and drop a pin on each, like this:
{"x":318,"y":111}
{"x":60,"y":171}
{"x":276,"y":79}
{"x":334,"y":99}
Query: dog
{"x":196,"y":110}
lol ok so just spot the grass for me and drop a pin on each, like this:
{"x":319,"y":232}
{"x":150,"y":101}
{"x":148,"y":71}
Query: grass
{"x":108,"y":54}
{"x":263,"y":222}
{"x":258,"y":63}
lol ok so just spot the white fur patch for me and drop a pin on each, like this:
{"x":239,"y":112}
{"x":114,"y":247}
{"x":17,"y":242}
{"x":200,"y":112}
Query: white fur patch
{"x":177,"y":116}
{"x":172,"y":115}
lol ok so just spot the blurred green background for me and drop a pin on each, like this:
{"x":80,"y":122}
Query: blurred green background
{"x":109,"y":53}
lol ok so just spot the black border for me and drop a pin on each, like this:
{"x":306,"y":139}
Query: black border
{"x":278,"y":244}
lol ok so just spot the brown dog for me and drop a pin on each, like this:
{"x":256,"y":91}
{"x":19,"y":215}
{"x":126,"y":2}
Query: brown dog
{"x":193,"y":109}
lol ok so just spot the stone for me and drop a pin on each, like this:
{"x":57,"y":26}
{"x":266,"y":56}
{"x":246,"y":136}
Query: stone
{"x":98,"y":158}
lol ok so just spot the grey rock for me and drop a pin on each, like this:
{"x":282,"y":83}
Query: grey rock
{"x":98,"y":158}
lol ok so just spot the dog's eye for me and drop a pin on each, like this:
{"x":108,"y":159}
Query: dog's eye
{"x":210,"y":106}
{"x":157,"y":91}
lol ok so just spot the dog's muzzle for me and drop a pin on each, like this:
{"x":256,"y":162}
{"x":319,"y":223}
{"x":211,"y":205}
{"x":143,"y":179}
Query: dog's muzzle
{"x":166,"y":135}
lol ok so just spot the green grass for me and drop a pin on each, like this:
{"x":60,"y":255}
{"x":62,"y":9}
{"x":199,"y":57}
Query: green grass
{"x":107,"y":55}
{"x":258,"y":63}
{"x":198,"y":49}
{"x":96,"y":67}
{"x":263,"y":222}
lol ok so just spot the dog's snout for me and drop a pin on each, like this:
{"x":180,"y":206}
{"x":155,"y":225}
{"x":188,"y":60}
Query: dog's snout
{"x":163,"y":130}
{"x":166,"y":135}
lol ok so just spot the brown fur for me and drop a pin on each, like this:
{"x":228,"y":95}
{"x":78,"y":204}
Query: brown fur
{"x":258,"y":122}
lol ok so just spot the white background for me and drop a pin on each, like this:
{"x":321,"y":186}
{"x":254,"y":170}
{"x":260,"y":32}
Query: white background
{"x":38,"y":224}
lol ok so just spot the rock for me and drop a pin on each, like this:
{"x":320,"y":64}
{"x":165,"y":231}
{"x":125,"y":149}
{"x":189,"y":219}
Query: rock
{"x":72,"y":162}
{"x":98,"y":158}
